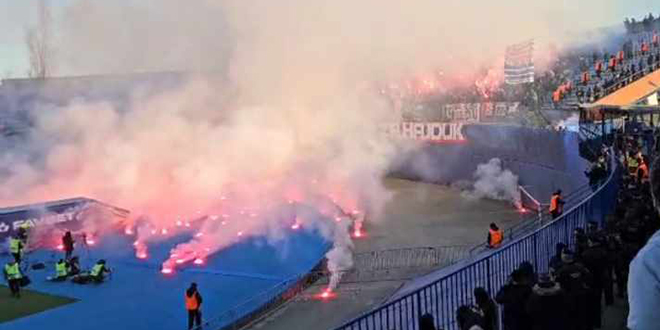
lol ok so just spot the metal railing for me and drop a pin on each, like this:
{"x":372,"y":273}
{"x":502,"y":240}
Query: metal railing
{"x":443,"y":296}
{"x":397,"y":264}
{"x":417,"y":257}
{"x":535,"y":220}
{"x":260,"y":304}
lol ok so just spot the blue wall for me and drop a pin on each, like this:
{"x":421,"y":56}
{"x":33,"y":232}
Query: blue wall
{"x":544,"y":160}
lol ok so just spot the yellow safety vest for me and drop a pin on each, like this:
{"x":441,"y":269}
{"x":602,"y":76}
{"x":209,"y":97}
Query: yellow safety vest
{"x":15,"y":245}
{"x":632,"y":162}
{"x":60,"y":269}
{"x":96,"y":270}
{"x":13,"y":272}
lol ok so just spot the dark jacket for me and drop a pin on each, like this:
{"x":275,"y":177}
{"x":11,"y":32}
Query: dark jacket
{"x":67,"y":242}
{"x":597,"y":261}
{"x":547,"y":308}
{"x":512,"y":297}
{"x":489,"y":309}
{"x":469,"y":317}
{"x":554,"y":264}
{"x":575,"y":280}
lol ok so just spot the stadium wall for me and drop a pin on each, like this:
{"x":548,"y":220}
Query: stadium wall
{"x":544,"y":160}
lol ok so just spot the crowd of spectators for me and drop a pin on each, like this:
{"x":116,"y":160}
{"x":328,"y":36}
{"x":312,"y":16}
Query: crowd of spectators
{"x":573,"y":77}
{"x":647,"y":24}
{"x":603,"y":72}
{"x":585,"y":274}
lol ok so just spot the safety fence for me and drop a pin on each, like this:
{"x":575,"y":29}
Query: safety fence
{"x":258,"y":305}
{"x":534,"y":220}
{"x":397,"y":264}
{"x":442,"y":297}
{"x":417,"y":257}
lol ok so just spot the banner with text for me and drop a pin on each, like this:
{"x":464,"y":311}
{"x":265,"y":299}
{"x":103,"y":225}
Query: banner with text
{"x":464,"y":112}
{"x":433,"y":132}
{"x":61,"y":212}
{"x":519,"y":63}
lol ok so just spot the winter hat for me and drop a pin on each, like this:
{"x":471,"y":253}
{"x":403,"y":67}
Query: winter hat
{"x":545,"y":281}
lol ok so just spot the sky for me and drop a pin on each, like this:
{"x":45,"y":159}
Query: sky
{"x":16,"y":15}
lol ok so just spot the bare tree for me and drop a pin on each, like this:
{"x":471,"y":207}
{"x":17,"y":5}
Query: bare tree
{"x":38,"y":40}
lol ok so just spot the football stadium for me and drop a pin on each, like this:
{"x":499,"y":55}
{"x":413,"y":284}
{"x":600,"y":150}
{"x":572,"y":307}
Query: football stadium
{"x":308,"y":165}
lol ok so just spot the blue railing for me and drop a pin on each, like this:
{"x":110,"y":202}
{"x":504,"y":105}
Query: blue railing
{"x":442,"y":297}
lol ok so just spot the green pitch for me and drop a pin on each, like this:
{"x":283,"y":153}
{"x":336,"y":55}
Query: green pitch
{"x":31,"y":302}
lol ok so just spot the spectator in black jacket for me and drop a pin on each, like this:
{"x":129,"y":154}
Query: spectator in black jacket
{"x":469,"y":318}
{"x":555,"y":262}
{"x":574,"y":279}
{"x":512,"y":297}
{"x":547,"y":306}
{"x":488,"y":308}
{"x":426,"y":322}
{"x":580,"y":240}
{"x":596,"y":260}
{"x":527,"y":271}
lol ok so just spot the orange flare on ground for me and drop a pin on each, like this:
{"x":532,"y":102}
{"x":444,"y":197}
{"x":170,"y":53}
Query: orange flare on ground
{"x":179,"y":261}
{"x":295,"y":226}
{"x":326,"y":294}
{"x":163,"y":231}
{"x":179,"y":223}
{"x":60,"y":247}
{"x":240,"y":233}
{"x":128,"y":231}
{"x":198,"y":261}
{"x":142,"y":255}
{"x":166,"y":270}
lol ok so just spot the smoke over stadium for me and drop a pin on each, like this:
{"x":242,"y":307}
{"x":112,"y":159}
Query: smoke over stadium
{"x":308,"y":152}
{"x":294,"y":117}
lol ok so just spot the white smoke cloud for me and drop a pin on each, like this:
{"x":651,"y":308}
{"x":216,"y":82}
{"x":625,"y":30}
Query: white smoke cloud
{"x":295,"y":119}
{"x":494,"y":182}
{"x":571,"y":123}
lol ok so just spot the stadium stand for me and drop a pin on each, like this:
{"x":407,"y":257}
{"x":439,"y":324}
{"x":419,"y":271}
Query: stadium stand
{"x":607,"y":72}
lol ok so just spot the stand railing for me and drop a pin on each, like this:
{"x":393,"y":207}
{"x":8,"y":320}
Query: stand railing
{"x":443,"y":296}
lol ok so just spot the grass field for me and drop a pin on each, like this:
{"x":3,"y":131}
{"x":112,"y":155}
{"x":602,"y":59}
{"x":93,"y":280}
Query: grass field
{"x":31,"y":302}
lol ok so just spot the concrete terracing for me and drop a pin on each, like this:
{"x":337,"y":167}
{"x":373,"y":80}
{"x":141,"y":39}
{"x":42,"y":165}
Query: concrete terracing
{"x":419,"y":214}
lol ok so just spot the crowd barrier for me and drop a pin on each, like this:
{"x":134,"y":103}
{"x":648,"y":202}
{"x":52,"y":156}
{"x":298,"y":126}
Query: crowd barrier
{"x":253,"y":308}
{"x":442,"y":297}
